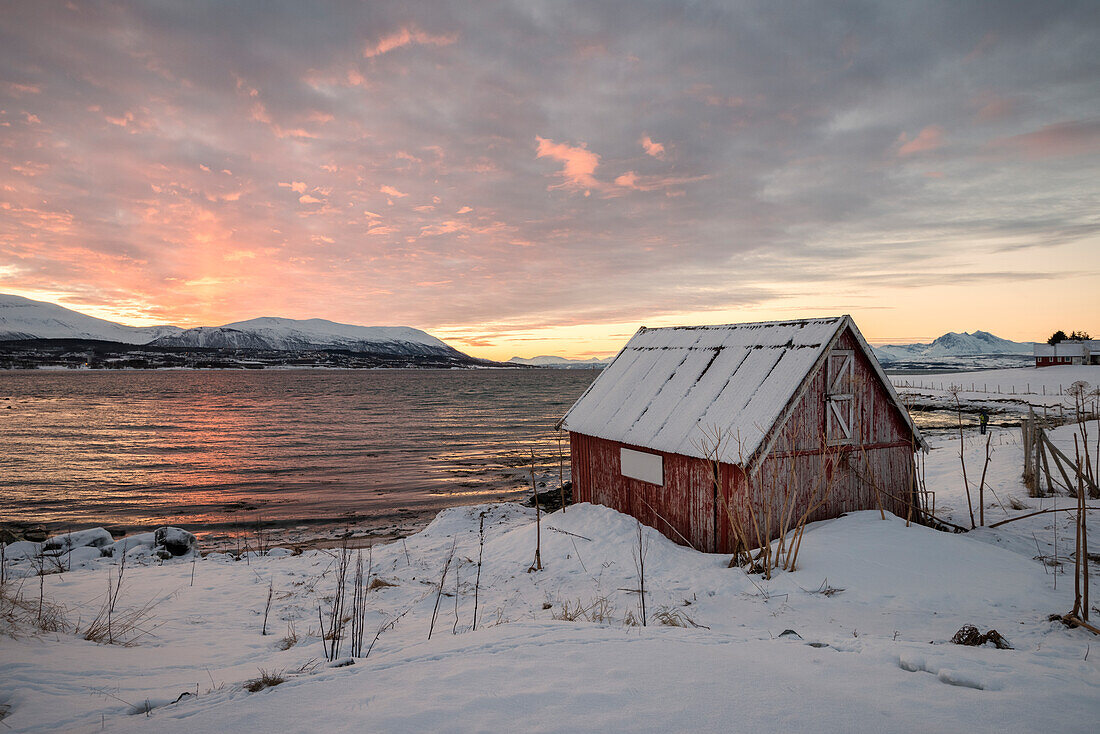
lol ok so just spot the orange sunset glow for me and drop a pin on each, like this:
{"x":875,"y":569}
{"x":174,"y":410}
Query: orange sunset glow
{"x":518,"y":182}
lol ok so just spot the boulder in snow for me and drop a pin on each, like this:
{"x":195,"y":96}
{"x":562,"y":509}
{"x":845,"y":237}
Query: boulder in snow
{"x":166,"y":542}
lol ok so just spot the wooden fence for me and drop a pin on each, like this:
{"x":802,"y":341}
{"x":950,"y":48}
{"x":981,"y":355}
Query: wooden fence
{"x":1040,"y":452}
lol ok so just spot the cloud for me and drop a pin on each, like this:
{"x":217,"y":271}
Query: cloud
{"x":651,"y":148}
{"x":405,"y":37}
{"x":579,"y":164}
{"x":631,"y":180}
{"x":1074,"y":138}
{"x":930,"y":138}
{"x":784,"y":130}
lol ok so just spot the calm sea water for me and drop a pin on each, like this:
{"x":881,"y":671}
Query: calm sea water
{"x":219,"y":451}
{"x":215,"y":449}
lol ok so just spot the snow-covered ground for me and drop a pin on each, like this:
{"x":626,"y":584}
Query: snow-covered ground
{"x":1006,"y":395}
{"x":1014,"y":389}
{"x":873,"y":604}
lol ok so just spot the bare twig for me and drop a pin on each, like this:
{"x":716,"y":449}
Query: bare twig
{"x":439,"y":591}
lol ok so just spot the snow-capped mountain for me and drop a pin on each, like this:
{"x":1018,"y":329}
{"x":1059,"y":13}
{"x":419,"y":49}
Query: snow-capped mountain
{"x":283,"y":334}
{"x":547,"y":360}
{"x":953,"y":344}
{"x":22,"y":318}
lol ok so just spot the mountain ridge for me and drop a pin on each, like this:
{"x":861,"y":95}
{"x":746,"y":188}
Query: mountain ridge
{"x":953,"y":344}
{"x":26,"y":319}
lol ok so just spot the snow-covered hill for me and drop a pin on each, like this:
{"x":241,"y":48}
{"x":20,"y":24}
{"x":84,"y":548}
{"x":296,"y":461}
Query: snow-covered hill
{"x":953,"y":344}
{"x":293,"y":334}
{"x":22,"y":318}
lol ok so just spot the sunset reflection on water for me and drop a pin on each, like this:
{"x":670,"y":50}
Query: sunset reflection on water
{"x":215,"y":448}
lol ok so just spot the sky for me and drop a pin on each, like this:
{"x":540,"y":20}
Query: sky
{"x":525,"y":177}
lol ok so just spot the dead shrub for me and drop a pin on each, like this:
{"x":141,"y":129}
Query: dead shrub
{"x":267,"y":679}
{"x":598,"y":611}
{"x":968,"y":635}
{"x":379,"y":583}
{"x":114,"y":626}
{"x":290,"y":640}
{"x":18,"y":611}
{"x":825,"y":589}
{"x":676,"y":618}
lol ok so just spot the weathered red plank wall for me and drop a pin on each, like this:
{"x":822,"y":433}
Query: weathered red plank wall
{"x":682,"y":509}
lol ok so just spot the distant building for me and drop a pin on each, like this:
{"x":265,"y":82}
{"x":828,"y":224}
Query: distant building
{"x":810,"y":420}
{"x":1068,"y":352}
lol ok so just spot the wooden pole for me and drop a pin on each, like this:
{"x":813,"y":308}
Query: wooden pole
{"x":1082,"y":538}
{"x":1094,"y":491}
{"x":1046,"y":464}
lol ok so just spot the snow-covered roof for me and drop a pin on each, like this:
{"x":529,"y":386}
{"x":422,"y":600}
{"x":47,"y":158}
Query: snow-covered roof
{"x":1068,"y":348}
{"x":668,"y":385}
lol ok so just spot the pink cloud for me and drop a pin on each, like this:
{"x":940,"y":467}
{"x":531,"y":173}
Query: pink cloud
{"x":391,"y":191}
{"x":992,"y":108}
{"x":631,"y":180}
{"x":1078,"y":137}
{"x":405,"y":37}
{"x":627,"y":180}
{"x":927,"y":139}
{"x":651,"y":148}
{"x":580,"y":164}
{"x":296,"y":186}
{"x":18,"y":89}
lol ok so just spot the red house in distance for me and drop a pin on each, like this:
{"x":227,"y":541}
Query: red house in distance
{"x":699,"y":431}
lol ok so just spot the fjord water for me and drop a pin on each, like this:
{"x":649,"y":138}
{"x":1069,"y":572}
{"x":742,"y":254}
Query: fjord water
{"x":213,"y":449}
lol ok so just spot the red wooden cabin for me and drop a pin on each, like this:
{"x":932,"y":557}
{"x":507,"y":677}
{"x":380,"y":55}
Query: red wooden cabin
{"x":701,"y":431}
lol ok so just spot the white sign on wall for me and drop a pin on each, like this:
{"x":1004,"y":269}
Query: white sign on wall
{"x":646,"y":467}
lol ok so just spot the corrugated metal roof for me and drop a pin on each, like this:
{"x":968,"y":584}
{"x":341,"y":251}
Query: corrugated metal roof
{"x":668,"y":385}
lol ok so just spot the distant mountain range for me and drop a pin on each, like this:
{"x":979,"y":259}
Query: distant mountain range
{"x":952,"y":344}
{"x":560,"y":362}
{"x":22,"y":319}
{"x":952,"y":349}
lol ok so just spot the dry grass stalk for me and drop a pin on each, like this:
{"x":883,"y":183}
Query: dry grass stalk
{"x":639,"y":554}
{"x":267,"y":607}
{"x":454,"y":627}
{"x":480,"y":554}
{"x":359,"y":601}
{"x":537,"y":564}
{"x":112,"y":626}
{"x":439,"y":591}
{"x":337,"y":616}
{"x":954,"y":390}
